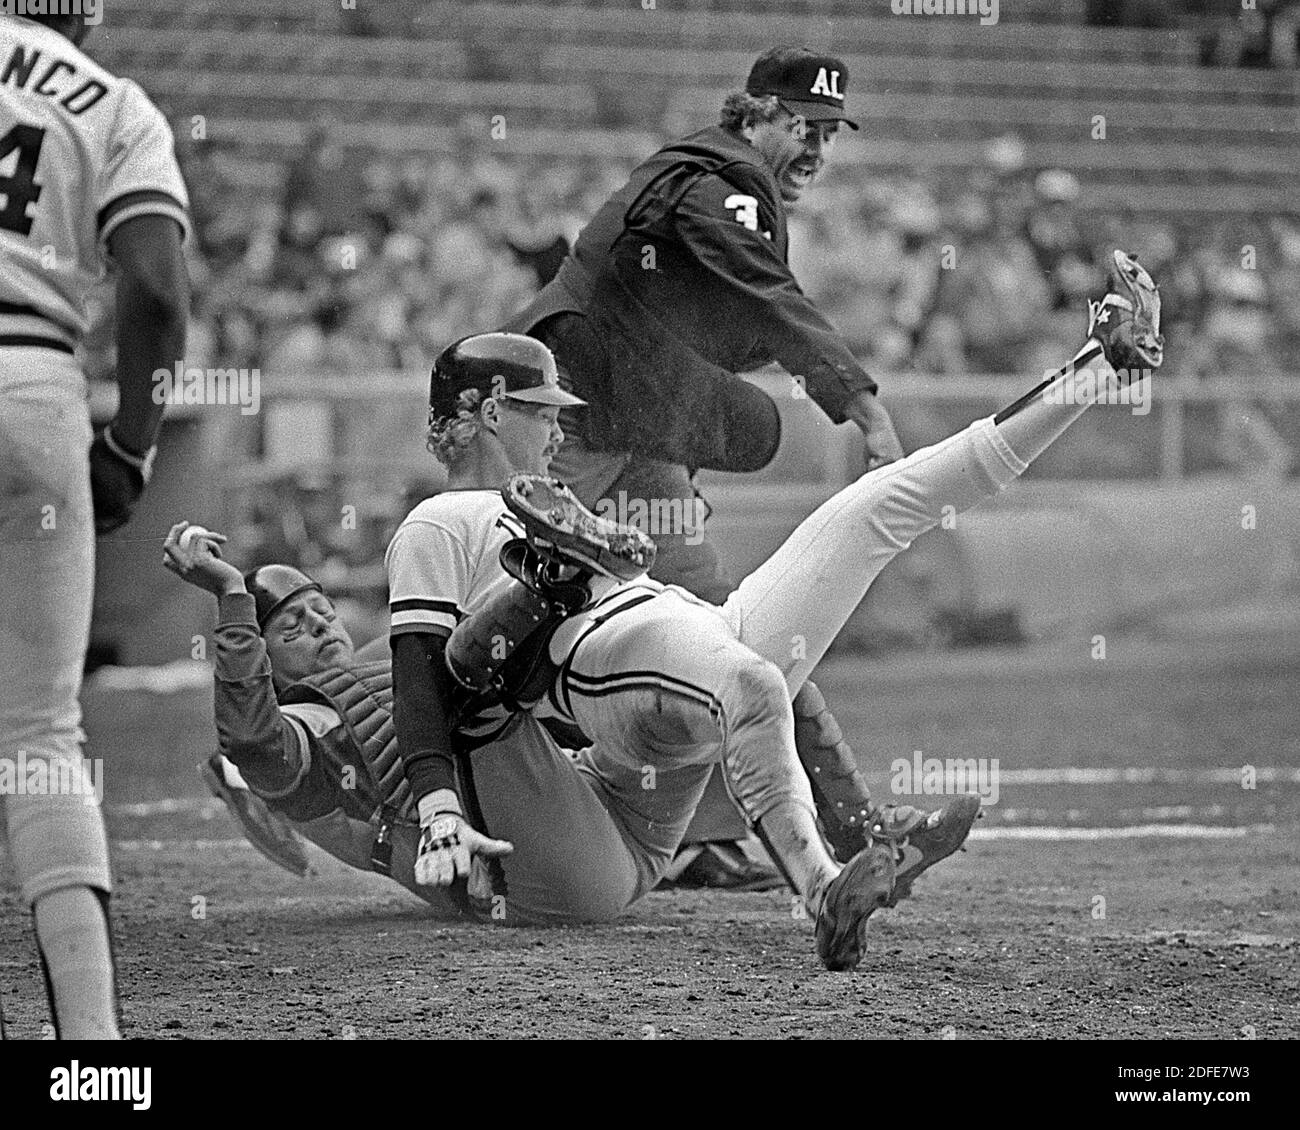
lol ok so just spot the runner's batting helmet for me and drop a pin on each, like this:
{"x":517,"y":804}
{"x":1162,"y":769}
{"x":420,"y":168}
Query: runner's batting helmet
{"x":498,"y":365}
{"x":273,"y":585}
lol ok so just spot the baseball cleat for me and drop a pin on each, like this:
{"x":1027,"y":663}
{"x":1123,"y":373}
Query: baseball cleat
{"x":559,"y":527}
{"x":1126,"y":322}
{"x":264,"y":828}
{"x":926,"y":842}
{"x":863,"y":887}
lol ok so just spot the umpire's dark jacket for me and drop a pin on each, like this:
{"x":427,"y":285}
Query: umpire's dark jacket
{"x":683,"y":282}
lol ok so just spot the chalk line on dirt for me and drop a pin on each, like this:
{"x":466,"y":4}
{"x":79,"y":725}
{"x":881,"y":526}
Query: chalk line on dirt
{"x":1132,"y":832}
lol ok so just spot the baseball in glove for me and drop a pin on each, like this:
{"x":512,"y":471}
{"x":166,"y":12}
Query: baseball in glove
{"x":1127,"y":320}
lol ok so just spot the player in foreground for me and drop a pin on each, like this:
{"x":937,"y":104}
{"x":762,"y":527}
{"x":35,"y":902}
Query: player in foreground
{"x":92,"y":171}
{"x":581,"y":838}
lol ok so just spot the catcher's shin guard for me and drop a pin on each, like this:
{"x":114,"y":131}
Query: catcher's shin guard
{"x":838,"y":787}
{"x":851,"y":820}
{"x":500,"y":650}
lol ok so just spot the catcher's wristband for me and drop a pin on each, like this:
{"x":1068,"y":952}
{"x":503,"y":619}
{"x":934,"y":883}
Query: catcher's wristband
{"x":142,"y":463}
{"x":441,"y":832}
{"x":440,"y":802}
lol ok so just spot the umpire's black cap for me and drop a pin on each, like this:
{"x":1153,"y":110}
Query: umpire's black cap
{"x":805,"y":83}
{"x":273,"y":586}
{"x":507,"y":365}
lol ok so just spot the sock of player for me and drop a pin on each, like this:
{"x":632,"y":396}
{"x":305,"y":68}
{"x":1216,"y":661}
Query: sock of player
{"x":789,"y":832}
{"x":1034,"y":428}
{"x":72,"y":931}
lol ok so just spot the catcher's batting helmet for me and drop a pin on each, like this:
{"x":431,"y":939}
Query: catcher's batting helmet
{"x":273,"y":585}
{"x":500,"y":365}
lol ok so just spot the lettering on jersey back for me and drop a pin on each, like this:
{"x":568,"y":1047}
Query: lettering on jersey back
{"x":74,"y":98}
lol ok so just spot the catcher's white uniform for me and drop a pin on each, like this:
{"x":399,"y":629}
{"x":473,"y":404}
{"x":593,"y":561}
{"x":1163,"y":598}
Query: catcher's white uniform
{"x":665,"y":684}
{"x":81,"y":151}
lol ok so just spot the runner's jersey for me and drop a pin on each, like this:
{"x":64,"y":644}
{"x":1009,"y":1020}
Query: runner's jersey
{"x":81,"y":151}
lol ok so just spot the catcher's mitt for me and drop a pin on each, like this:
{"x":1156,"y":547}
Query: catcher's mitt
{"x":1127,"y":320}
{"x":267,"y":830}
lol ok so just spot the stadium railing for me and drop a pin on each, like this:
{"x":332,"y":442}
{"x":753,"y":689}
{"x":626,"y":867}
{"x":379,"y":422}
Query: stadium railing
{"x":812,"y":450}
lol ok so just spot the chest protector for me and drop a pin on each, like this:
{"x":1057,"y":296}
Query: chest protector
{"x":363,"y":697}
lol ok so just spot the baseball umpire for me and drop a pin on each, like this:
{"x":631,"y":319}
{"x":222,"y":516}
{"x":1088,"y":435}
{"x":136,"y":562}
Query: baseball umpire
{"x":679,"y":282}
{"x":91,"y":171}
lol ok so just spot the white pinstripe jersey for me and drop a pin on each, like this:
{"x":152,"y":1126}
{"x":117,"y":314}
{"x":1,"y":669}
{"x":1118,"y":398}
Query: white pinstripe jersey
{"x":81,"y":151}
{"x":444,"y":562}
{"x":445,"y":559}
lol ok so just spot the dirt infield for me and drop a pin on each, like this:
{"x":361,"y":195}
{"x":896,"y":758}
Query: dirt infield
{"x":1001,"y":942}
{"x":1124,"y":884}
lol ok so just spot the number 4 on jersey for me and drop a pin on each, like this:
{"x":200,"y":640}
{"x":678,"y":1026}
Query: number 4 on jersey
{"x":19,"y":187}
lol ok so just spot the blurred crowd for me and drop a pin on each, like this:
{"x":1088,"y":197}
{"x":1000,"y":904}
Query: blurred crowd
{"x":969,"y":273}
{"x":1265,"y":34}
{"x":375,"y":264}
{"x":1255,"y":33}
{"x":987,"y":272}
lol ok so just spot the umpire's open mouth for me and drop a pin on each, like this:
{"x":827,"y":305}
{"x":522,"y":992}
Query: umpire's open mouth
{"x":800,"y":173}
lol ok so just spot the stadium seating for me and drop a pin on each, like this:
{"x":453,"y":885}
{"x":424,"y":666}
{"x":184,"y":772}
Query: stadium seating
{"x":602,"y":78}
